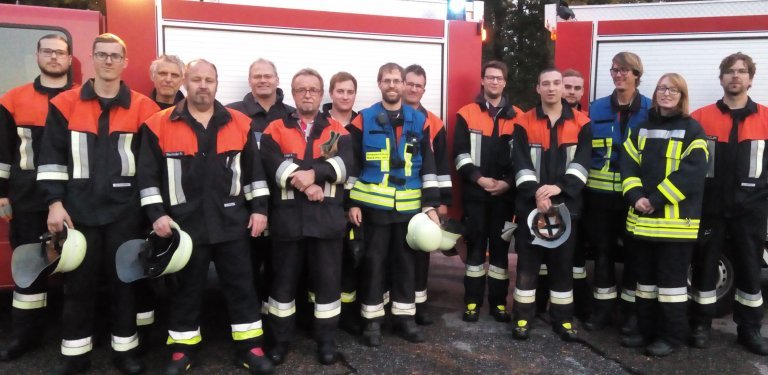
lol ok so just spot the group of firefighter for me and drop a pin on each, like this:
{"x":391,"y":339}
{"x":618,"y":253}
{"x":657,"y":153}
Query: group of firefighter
{"x":340,"y":189}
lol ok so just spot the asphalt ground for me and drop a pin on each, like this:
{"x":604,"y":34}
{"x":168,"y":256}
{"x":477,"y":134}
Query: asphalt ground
{"x":452,"y":346}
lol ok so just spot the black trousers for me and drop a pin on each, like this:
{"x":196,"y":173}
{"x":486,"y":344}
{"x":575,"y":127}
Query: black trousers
{"x":662,"y":289}
{"x":745,"y":236}
{"x":323,"y":272}
{"x":81,"y":287}
{"x":483,"y":222}
{"x":604,"y":228}
{"x":261,"y":261}
{"x":388,"y":264}
{"x":28,"y":303}
{"x":560,"y":271}
{"x":422,"y":276}
{"x":232,"y":260}
{"x":582,"y":300}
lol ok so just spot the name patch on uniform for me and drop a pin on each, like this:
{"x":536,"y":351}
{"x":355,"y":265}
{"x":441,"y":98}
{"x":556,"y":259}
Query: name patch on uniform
{"x":377,"y":155}
{"x":174,"y":153}
{"x":291,"y":156}
{"x":121,"y":184}
{"x":712,"y":137}
{"x":230,"y":204}
{"x":747,"y":184}
{"x":475,"y":131}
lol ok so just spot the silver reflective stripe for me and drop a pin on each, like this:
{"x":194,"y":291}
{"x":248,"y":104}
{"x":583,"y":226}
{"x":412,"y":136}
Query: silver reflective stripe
{"x":283,"y":171}
{"x":605,"y":293}
{"x":52,"y":172}
{"x":26,"y":153}
{"x":749,"y":300}
{"x":399,"y":308}
{"x":371,"y":311}
{"x":421,"y":296}
{"x":444,"y":181}
{"x":79,"y":154}
{"x":29,"y":301}
{"x":646,"y":291}
{"x":561,"y":298}
{"x":145,"y":318}
{"x":338,"y":166}
{"x":661,"y":133}
{"x":329,"y":190}
{"x":256,"y":189}
{"x":175,"y":190}
{"x":327,"y":310}
{"x":5,"y":170}
{"x":525,"y":296}
{"x":350,"y":183}
{"x":462,"y":160}
{"x":525,"y":175}
{"x":711,"y":160}
{"x":673,"y":295}
{"x":150,"y":195}
{"x":476,"y":147}
{"x":234,"y":190}
{"x":127,"y":160}
{"x":76,"y":347}
{"x":578,"y":171}
{"x":429,"y":181}
{"x":570,"y":152}
{"x":756,"y":150}
{"x":281,"y":310}
{"x":245,"y":327}
{"x":497,"y":273}
{"x":536,"y":160}
{"x":124,"y":344}
{"x":704,"y":298}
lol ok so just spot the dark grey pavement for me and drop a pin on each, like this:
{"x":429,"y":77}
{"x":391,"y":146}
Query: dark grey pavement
{"x":452,"y":347}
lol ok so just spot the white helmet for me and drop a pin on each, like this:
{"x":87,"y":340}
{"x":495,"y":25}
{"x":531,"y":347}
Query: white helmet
{"x":550,"y":229}
{"x":423,"y":233}
{"x":451,"y":232}
{"x":56,"y":253}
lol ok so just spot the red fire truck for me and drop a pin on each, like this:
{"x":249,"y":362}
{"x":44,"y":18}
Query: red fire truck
{"x":328,"y":36}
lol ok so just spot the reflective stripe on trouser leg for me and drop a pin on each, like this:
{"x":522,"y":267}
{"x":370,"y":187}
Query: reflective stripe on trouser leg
{"x":749,"y":300}
{"x":280,"y":309}
{"x":185,"y":337}
{"x":421,"y":296}
{"x":371,"y":311}
{"x":605,"y":293}
{"x":708,"y":297}
{"x":628,"y":295}
{"x":145,"y":318}
{"x":645,"y":291}
{"x":327,"y":310}
{"x":29,"y":301}
{"x":543,"y":271}
{"x":245,"y":331}
{"x":124,"y":344}
{"x":673,"y":295}
{"x":76,"y":347}
{"x":561,"y":298}
{"x":403,"y":308}
{"x":497,"y":273}
{"x":348,"y":297}
{"x":579,"y":273}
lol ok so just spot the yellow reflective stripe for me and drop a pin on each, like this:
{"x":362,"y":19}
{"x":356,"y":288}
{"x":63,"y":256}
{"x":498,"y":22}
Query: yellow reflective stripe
{"x":670,"y":191}
{"x":498,"y":273}
{"x":124,"y":344}
{"x":408,"y":163}
{"x":525,"y":296}
{"x":628,"y":295}
{"x":598,"y":143}
{"x":76,"y":347}
{"x":697,"y":143}
{"x":348,"y":297}
{"x":408,"y":205}
{"x":185,"y":337}
{"x":246,"y":331}
{"x":632,"y":151}
{"x":579,"y":273}
{"x":605,"y":293}
{"x":474,"y":271}
{"x":29,"y":301}
{"x":646,"y":291}
{"x":630,"y":183}
{"x":385,"y":161}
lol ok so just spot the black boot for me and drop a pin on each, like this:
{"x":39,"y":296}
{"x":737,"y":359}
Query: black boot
{"x":597,"y":320}
{"x":326,"y":353}
{"x":565,"y":331}
{"x":660,"y":348}
{"x":406,"y":328}
{"x":635,"y":340}
{"x":521,"y":330}
{"x":500,"y":314}
{"x":15,"y":348}
{"x":349,"y":319}
{"x":278,"y":352}
{"x":372,"y":334}
{"x":25,"y":333}
{"x":629,"y":325}
{"x":70,"y":365}
{"x":128,"y":362}
{"x":422,"y":315}
{"x":179,"y":364}
{"x":700,"y":336}
{"x":255,"y":361}
{"x":751,"y":339}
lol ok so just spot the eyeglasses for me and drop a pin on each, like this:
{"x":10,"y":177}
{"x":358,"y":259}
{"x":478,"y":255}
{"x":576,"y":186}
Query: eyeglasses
{"x":47,"y":52}
{"x":312,"y":91}
{"x":102,"y":56}
{"x":412,"y":85}
{"x":617,"y":71}
{"x":494,"y":78}
{"x":392,"y":82}
{"x":670,"y":90}
{"x":733,"y":72}
{"x":259,"y":77}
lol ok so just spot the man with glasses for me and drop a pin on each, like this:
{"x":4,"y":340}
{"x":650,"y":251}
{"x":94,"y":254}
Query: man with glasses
{"x":167,"y":73}
{"x":397,"y":180}
{"x":263,"y":105}
{"x":613,"y":118}
{"x":735,"y":205}
{"x":22,"y":118}
{"x":413,"y":91}
{"x":306,"y":156}
{"x":482,"y":156}
{"x":87,"y":168}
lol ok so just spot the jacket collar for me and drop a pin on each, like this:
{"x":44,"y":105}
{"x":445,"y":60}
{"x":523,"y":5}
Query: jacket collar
{"x":48,"y":90}
{"x":634,"y":105}
{"x":179,"y":96}
{"x":252,"y":106}
{"x":220,"y":116}
{"x":751,"y":106}
{"x":326,"y":110}
{"x":122,"y":99}
{"x":566,"y":114}
{"x":318,"y":124}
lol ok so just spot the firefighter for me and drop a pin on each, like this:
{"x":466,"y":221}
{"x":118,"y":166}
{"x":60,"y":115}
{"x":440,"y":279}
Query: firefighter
{"x":343,"y":91}
{"x":573,"y":90}
{"x":413,"y":91}
{"x":200,"y":168}
{"x":22,"y":118}
{"x":306,"y":156}
{"x":551,"y":148}
{"x":396,"y":180}
{"x":663,"y":166}
{"x":734,"y":204}
{"x":613,"y":117}
{"x":480,"y":143}
{"x":263,"y":105}
{"x":167,"y":73}
{"x":87,"y":168}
